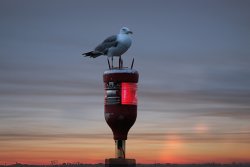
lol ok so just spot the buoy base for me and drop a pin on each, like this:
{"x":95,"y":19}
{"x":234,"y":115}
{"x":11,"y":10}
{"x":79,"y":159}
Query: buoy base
{"x":120,"y":162}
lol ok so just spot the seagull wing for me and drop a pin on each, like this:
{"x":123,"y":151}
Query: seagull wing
{"x":106,"y":44}
{"x":102,"y":49}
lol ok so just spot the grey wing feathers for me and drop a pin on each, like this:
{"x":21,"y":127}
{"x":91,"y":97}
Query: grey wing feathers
{"x":93,"y":54}
{"x":102,"y":48}
{"x":106,"y":44}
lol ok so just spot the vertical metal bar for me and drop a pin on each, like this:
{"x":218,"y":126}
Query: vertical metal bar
{"x":120,"y":149}
{"x":132,"y":64}
{"x":108,"y":63}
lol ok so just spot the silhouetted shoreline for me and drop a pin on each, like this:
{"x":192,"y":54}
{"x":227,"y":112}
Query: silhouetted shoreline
{"x":138,"y":165}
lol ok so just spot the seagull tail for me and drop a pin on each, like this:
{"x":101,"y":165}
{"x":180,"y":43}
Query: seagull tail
{"x":92,"y":54}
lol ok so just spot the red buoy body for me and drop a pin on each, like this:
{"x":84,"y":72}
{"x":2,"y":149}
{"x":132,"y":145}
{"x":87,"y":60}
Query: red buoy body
{"x":120,"y":100}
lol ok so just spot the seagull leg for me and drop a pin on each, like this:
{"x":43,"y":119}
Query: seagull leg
{"x":120,"y":63}
{"x":112,"y":63}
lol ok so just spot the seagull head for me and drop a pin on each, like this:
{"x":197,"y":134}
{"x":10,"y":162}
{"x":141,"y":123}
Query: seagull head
{"x":125,"y":30}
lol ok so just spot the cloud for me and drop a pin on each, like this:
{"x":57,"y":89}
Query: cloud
{"x":233,"y":104}
{"x":233,"y":137}
{"x":237,"y":137}
{"x":59,"y":137}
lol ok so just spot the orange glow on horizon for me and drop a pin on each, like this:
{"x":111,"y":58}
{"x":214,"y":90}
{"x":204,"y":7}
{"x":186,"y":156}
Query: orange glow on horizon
{"x":173,"y":149}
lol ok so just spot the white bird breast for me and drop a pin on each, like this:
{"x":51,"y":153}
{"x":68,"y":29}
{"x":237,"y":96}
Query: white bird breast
{"x":124,"y":43}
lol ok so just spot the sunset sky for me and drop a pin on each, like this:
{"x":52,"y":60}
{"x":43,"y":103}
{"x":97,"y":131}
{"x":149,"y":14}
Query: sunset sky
{"x":193,"y":58}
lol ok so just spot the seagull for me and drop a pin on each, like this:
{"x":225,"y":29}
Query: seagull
{"x":114,"y":45}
